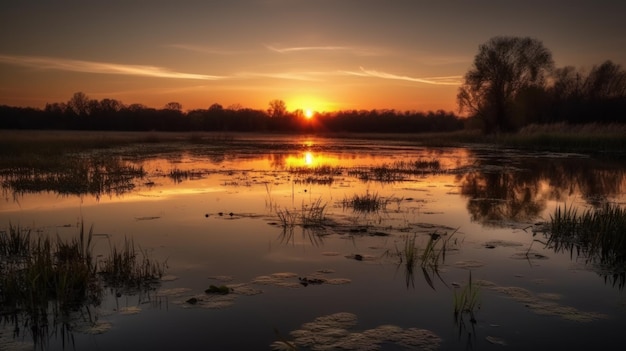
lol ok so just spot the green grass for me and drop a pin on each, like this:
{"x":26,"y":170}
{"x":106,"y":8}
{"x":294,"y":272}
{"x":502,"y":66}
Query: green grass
{"x":466,"y":301}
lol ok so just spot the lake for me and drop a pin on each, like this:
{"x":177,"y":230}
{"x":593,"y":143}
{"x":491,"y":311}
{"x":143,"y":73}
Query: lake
{"x":285,"y":242}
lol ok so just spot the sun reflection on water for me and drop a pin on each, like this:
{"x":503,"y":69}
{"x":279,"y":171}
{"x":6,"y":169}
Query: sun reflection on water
{"x":310,"y":159}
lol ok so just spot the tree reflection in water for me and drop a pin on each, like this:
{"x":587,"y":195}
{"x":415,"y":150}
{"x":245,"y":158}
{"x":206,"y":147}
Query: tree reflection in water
{"x":501,"y":193}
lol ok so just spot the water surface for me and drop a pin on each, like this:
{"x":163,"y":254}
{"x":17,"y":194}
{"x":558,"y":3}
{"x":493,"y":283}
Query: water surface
{"x":212,"y":212}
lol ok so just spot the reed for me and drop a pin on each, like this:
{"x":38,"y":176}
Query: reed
{"x":43,"y":281}
{"x":596,"y":234}
{"x":369,"y":202}
{"x":130,"y":268}
{"x":411,"y":257}
{"x":15,"y":242}
{"x":309,"y":215}
{"x":466,"y":301}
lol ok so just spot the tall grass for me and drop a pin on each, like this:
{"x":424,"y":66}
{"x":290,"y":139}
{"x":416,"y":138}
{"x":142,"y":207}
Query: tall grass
{"x":368,"y":202}
{"x":309,"y":215}
{"x":466,"y":301}
{"x":44,"y":280}
{"x":433,"y":254}
{"x":130,"y":268}
{"x":598,"y":234}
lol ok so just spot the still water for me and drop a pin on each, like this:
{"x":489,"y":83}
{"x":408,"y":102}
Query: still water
{"x":313,"y":238}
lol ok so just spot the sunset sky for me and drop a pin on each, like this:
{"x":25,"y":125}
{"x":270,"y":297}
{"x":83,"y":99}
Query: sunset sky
{"x":317,"y":54}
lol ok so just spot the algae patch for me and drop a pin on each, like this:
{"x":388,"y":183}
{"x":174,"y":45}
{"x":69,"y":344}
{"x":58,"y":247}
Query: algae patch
{"x":334,"y":332}
{"x":543,"y":303}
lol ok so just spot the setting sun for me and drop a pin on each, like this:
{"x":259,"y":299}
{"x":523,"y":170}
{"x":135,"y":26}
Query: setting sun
{"x":308,"y":114}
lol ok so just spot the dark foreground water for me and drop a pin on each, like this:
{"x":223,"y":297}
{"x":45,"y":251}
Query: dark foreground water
{"x":313,"y":238}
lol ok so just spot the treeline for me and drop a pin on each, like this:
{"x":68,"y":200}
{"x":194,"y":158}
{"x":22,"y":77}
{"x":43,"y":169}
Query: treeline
{"x":574,"y":96}
{"x":513,"y":83}
{"x":82,"y":113}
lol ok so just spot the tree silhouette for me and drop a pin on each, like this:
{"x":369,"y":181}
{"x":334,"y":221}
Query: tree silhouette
{"x":503,"y":68}
{"x":277,"y":108}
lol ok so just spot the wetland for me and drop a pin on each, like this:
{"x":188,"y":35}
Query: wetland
{"x":276,"y":242}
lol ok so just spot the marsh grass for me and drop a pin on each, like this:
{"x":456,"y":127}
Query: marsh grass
{"x":15,"y":242}
{"x":597,"y":234}
{"x":44,"y":281}
{"x":566,"y":137}
{"x":431,"y":257}
{"x":129,"y":267}
{"x":309,"y":215}
{"x":78,"y":175}
{"x":411,"y":258}
{"x":368,"y":202}
{"x":466,"y":301}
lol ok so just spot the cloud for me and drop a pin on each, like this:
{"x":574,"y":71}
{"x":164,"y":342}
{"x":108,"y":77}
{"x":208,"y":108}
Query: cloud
{"x":205,"y":50}
{"x":303,"y":76}
{"x":359,"y":51}
{"x":100,"y":67}
{"x":449,"y":80}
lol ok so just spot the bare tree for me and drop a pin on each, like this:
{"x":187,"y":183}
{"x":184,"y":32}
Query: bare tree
{"x":173,"y":106}
{"x":79,"y":104}
{"x":503,"y":68}
{"x":277,"y":108}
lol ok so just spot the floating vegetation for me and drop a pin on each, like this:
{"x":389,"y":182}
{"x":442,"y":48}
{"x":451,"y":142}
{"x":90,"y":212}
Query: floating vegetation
{"x":543,"y":304}
{"x":492,"y":244}
{"x":220,"y":290}
{"x":469,"y":264}
{"x":334,"y":332}
{"x":597,"y":235}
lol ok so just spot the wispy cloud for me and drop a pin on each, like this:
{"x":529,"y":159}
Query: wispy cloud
{"x":359,"y":51}
{"x":205,"y":49}
{"x":100,"y":67}
{"x":302,"y":76}
{"x":449,"y":80}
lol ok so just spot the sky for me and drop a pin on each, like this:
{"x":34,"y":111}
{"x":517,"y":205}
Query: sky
{"x":322,"y":55}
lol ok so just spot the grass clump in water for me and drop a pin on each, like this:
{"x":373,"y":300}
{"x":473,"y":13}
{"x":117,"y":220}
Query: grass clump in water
{"x":366,"y":203}
{"x":312,"y":215}
{"x":44,"y":282}
{"x":596,"y":234}
{"x":130,"y":268}
{"x":466,"y":301}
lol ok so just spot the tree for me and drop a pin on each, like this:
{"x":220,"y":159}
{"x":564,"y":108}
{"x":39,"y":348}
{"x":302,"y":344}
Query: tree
{"x":277,"y":108}
{"x":79,"y":104}
{"x":503,"y":68}
{"x":173,"y":106}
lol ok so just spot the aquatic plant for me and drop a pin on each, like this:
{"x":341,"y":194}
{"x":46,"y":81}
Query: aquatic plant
{"x":466,"y":301}
{"x":44,"y":282}
{"x":435,"y":254}
{"x":369,"y":202}
{"x":596,"y":234}
{"x":309,"y":215}
{"x":15,"y":242}
{"x":410,"y":256}
{"x":335,"y":332}
{"x":76,"y":175}
{"x":128,"y":268}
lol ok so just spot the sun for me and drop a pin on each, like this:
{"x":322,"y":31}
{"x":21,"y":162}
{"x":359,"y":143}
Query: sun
{"x":308,"y":113}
